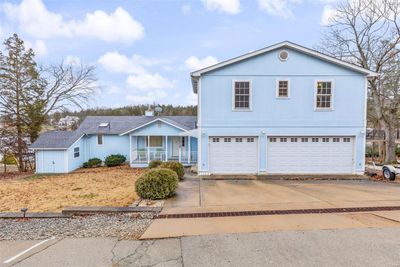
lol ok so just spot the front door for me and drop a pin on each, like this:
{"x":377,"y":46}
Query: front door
{"x":175,"y":146}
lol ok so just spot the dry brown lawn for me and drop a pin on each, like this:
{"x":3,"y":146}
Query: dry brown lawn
{"x":85,"y":187}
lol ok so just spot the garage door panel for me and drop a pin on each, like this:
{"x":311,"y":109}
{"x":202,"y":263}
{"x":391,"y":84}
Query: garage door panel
{"x":233,"y":157}
{"x":310,"y":157}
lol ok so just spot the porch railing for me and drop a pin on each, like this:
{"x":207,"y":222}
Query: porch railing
{"x":143,"y":156}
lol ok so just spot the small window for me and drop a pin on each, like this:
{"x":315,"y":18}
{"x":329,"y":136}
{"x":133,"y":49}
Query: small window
{"x":283,"y":55}
{"x":346,"y":139}
{"x":304,"y":139}
{"x":238,"y":140}
{"x":76,"y":152}
{"x":283,"y":89}
{"x":99,"y":139}
{"x":325,"y":140}
{"x":250,"y":140}
{"x":155,"y":141}
{"x":227,"y":140}
{"x":283,"y":139}
{"x":335,"y":139}
{"x":294,"y":140}
{"x":324,"y":95}
{"x":315,"y":140}
{"x":272,"y":139}
{"x":215,"y":140}
{"x":242,"y":95}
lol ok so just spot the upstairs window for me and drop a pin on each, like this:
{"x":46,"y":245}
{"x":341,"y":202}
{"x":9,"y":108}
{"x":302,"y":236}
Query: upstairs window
{"x":324,"y":96}
{"x":242,"y":90}
{"x":283,"y":89}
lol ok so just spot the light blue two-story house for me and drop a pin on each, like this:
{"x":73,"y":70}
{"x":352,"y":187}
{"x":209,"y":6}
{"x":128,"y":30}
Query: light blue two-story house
{"x":281,"y":109}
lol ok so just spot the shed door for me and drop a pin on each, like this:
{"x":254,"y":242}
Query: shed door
{"x":305,"y":154}
{"x":233,"y":155}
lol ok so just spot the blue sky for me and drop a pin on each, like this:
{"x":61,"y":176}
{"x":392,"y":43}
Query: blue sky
{"x":144,"y":50}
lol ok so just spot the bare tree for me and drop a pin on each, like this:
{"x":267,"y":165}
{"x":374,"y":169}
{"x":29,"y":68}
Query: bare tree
{"x":367,"y":33}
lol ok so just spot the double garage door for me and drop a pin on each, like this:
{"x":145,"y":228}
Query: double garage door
{"x":293,"y":154}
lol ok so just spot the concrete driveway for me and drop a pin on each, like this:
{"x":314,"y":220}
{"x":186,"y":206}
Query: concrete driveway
{"x":198,"y":196}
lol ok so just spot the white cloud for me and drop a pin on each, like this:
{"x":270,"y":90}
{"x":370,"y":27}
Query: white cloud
{"x":72,"y":60}
{"x":39,"y":47}
{"x":278,"y":8}
{"x":227,"y":6}
{"x":118,"y":63}
{"x":195,"y":63}
{"x":34,"y":18}
{"x":113,"y":90}
{"x":327,"y":15}
{"x":149,"y":98}
{"x":191,"y":99}
{"x":186,"y":9}
{"x":146,"y":82}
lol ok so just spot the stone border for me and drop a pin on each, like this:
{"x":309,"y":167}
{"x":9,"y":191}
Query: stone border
{"x":33,"y":215}
{"x":274,"y":212}
{"x":82,"y":210}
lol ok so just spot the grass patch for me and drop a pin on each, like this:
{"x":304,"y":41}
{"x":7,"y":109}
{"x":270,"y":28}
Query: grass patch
{"x":86,"y":187}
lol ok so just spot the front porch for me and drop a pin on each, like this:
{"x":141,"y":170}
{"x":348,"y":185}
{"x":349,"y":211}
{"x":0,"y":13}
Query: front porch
{"x":144,"y":149}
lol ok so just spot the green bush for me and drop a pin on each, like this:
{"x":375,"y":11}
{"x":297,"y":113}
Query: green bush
{"x":154,"y":164}
{"x":9,"y":159}
{"x":92,"y":163}
{"x":397,"y":151}
{"x":371,"y":153}
{"x":114,"y":160}
{"x":156,"y":183}
{"x":175,"y":166}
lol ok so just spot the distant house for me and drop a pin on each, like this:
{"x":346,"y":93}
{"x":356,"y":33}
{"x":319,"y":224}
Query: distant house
{"x":281,"y":109}
{"x":68,"y":123}
{"x":140,"y":138}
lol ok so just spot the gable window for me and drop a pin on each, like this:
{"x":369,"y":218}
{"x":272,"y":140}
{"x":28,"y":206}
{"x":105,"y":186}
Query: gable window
{"x":283,"y":89}
{"x":324,"y":95}
{"x":241,"y":99}
{"x":99,"y":139}
{"x":76,"y":152}
{"x":155,"y":141}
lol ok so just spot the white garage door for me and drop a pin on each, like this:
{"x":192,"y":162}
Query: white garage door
{"x":310,"y":154}
{"x":233,"y":155}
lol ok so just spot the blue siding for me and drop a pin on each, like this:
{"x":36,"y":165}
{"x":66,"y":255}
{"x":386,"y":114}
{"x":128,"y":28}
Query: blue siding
{"x":112,"y":144}
{"x":157,"y":128}
{"x":271,"y":116}
{"x":51,"y":161}
{"x":75,"y":163}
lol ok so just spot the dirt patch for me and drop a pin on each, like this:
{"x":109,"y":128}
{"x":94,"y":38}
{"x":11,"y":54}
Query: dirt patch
{"x":86,"y":187}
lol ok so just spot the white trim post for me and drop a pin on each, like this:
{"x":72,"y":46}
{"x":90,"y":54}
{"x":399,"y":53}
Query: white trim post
{"x":189,"y":149}
{"x":180,"y":154}
{"x":130,"y":149}
{"x":166,"y":148}
{"x":148,"y":149}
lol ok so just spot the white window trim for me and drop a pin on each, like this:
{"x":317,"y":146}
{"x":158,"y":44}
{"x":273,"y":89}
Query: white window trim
{"x":332,"y":95}
{"x":250,"y":96}
{"x":162,"y":142}
{"x":79,"y":151}
{"x":277,"y":88}
{"x":97,"y":139}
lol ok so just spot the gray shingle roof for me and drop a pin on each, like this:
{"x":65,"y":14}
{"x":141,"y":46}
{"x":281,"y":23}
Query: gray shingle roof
{"x":56,"y":139}
{"x":116,"y":125}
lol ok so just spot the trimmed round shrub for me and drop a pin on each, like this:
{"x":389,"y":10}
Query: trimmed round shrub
{"x":157,"y":183}
{"x":175,"y":166}
{"x":154,"y":163}
{"x":114,"y":160}
{"x":92,"y":163}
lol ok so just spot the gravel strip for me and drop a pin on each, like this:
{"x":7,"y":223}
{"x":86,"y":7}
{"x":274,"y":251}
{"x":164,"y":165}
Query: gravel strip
{"x":121,"y":226}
